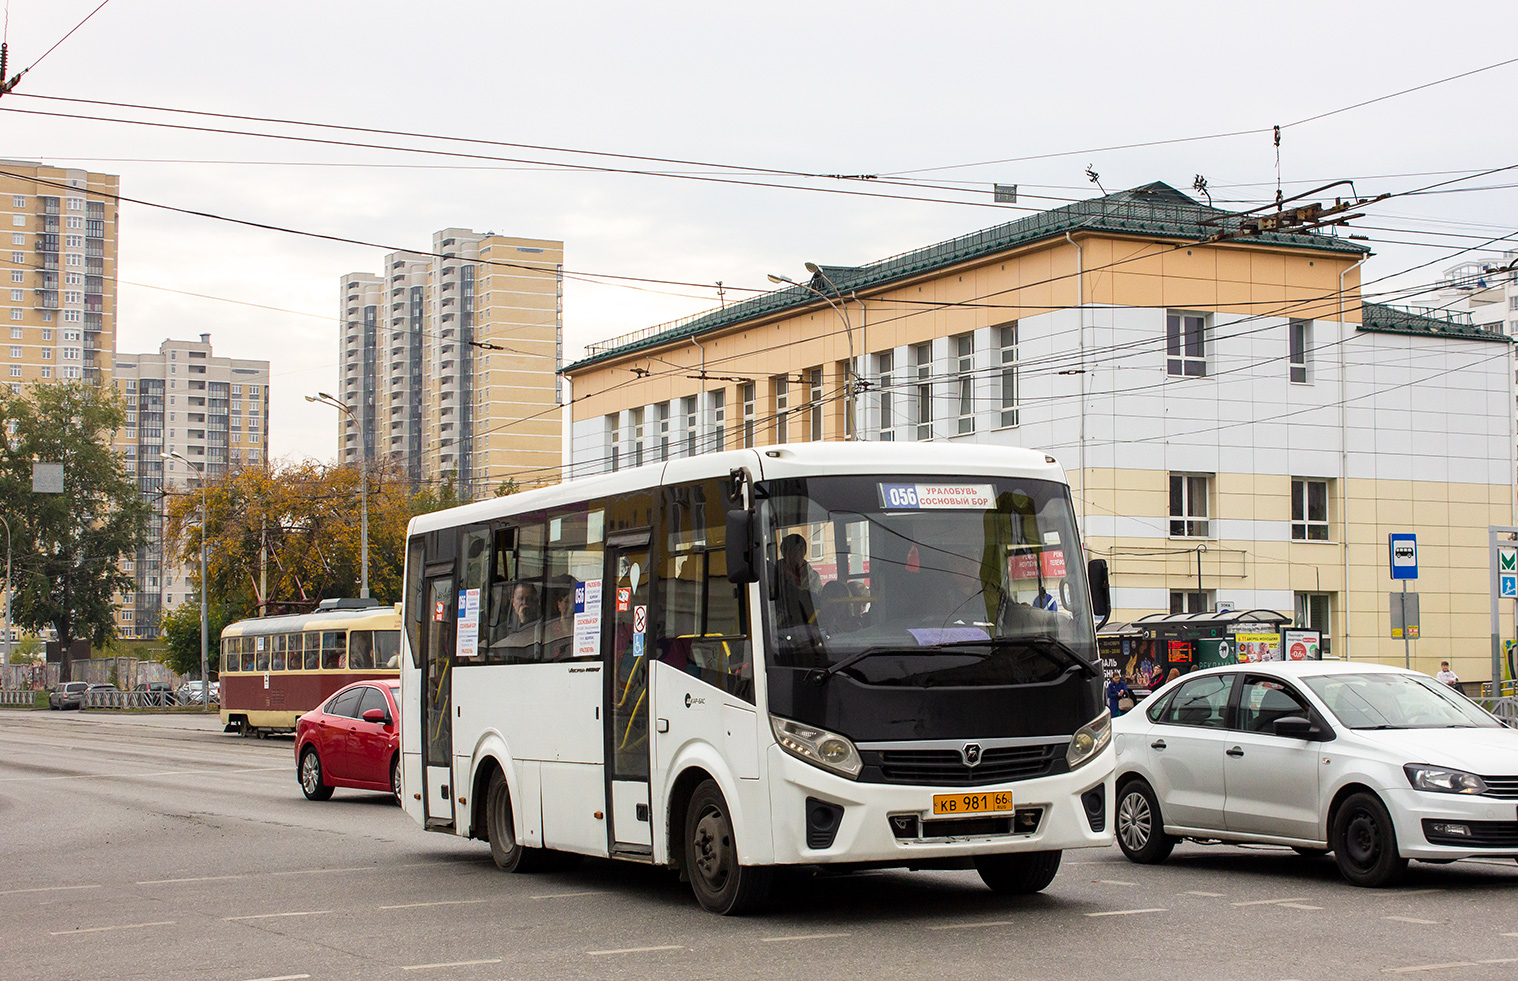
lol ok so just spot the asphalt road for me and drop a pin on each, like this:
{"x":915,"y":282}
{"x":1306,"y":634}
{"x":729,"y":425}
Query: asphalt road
{"x":156,"y":847}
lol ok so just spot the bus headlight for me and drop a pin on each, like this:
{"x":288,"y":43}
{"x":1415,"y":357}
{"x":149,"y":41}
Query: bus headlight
{"x":1089,"y":740}
{"x":818,"y":747}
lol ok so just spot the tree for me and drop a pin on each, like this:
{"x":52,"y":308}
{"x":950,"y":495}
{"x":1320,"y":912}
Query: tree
{"x":69,"y":546}
{"x":181,"y":636}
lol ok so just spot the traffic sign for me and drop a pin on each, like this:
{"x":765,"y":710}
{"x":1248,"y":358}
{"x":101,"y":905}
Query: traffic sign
{"x":1403,"y":552}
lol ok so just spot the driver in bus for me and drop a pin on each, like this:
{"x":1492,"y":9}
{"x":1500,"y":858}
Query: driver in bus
{"x":797,"y":583}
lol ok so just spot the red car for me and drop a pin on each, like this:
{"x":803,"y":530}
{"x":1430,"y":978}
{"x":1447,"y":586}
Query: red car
{"x":351,"y":740}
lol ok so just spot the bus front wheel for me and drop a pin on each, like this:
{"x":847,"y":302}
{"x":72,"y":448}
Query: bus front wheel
{"x":721,"y":884}
{"x":504,"y":848}
{"x":1018,"y":873}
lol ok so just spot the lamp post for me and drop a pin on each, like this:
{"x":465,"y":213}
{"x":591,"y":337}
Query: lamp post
{"x":850,"y":385}
{"x":6,"y":657}
{"x":205,"y":626}
{"x":322,"y":398}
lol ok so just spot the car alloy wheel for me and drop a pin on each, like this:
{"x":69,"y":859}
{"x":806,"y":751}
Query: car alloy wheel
{"x":311,"y":777}
{"x":1135,"y":821}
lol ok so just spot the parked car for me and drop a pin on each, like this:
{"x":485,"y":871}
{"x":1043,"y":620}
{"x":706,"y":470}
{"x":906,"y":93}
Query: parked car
{"x":189,"y":693}
{"x":351,"y":740}
{"x":1377,"y":764}
{"x":156,"y":692}
{"x":69,"y":695}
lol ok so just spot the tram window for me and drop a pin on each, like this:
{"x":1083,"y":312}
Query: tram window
{"x":360,"y":650}
{"x":387,"y":649}
{"x":277,"y":659}
{"x":334,"y":650}
{"x":247,"y":654}
{"x":228,"y":658}
{"x":312,"y":654}
{"x":261,"y":653}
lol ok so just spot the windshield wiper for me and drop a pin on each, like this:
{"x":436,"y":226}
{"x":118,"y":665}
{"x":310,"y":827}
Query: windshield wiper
{"x":819,"y":675}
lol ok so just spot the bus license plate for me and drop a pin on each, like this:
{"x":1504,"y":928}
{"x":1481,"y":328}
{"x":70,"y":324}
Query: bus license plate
{"x":995,"y":802}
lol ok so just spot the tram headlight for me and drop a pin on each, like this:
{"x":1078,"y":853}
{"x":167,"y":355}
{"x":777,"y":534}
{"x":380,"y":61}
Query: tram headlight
{"x":818,"y":747}
{"x":1089,"y":741}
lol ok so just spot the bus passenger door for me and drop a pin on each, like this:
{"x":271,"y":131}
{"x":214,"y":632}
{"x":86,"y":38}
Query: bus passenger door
{"x":627,"y":642}
{"x":437,"y":701}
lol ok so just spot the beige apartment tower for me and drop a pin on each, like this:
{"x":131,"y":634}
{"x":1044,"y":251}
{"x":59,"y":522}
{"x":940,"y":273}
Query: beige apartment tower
{"x":449,"y":361}
{"x":61,"y":266}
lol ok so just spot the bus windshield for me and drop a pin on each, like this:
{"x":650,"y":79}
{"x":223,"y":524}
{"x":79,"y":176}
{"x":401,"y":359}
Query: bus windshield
{"x":912,"y":581}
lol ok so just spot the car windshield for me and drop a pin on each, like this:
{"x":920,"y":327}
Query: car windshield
{"x":973,"y":580}
{"x":1396,"y":701}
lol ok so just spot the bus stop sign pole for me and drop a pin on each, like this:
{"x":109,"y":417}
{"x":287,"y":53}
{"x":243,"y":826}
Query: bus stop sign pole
{"x":1504,"y":582}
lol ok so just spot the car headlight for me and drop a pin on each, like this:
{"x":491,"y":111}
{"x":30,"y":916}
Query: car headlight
{"x":818,"y":747}
{"x":1443,"y":780}
{"x":1089,"y":740}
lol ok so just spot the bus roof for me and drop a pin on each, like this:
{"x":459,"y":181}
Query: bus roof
{"x":956,"y":461}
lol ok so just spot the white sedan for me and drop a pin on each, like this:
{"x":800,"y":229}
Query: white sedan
{"x":1376,"y":764}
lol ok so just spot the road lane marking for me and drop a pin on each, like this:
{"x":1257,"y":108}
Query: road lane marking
{"x":634,"y":950}
{"x":140,"y":776}
{"x":284,"y":977}
{"x":1305,"y":906}
{"x":1114,"y":882}
{"x":1128,"y":912}
{"x":270,"y":916}
{"x":801,"y":936}
{"x":441,"y":902}
{"x":1411,"y":919}
{"x":1198,"y":892}
{"x":972,"y":926}
{"x":351,"y":868}
{"x":198,"y":878}
{"x":1272,"y":902}
{"x":1427,"y":967}
{"x":1413,"y":892}
{"x":1510,"y":934}
{"x":17,"y":892}
{"x":123,"y":926}
{"x":568,"y":895}
{"x":430,"y":967}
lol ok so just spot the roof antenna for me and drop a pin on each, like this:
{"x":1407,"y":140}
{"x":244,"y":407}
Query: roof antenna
{"x":1199,"y":185}
{"x":1279,"y":199}
{"x":1096,"y":179}
{"x":721,"y":295}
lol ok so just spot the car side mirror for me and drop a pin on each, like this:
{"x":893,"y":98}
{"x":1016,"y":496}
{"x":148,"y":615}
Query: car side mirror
{"x":1296,"y":727}
{"x":375,"y":715}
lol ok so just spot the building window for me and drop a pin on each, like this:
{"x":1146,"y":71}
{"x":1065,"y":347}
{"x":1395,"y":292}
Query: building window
{"x":1309,"y":510}
{"x":719,"y":419}
{"x":15,"y":350}
{"x":1313,"y":611}
{"x":1007,"y":343}
{"x":922,"y":363}
{"x":18,"y":220}
{"x":15,"y":333}
{"x":964,"y":371}
{"x":18,"y":238}
{"x":661,"y":411}
{"x":782,"y":386}
{"x":1188,"y":505}
{"x":814,"y":379}
{"x":1192,"y":601}
{"x":885,"y":363}
{"x":747,"y":392}
{"x":16,"y":313}
{"x":637,"y":441}
{"x":1301,"y":349}
{"x":18,"y":200}
{"x":1512,"y":303}
{"x":17,"y":296}
{"x":613,"y":450}
{"x":47,"y":371}
{"x":690,"y":425}
{"x":1185,"y":343}
{"x":18,"y":276}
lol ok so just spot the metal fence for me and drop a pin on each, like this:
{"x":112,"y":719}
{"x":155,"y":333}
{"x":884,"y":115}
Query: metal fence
{"x":18,"y":696}
{"x":1505,"y":708}
{"x":123,"y":672}
{"x":127,"y":699}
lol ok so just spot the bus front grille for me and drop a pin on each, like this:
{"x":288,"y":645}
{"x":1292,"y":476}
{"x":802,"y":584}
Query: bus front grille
{"x":947,"y":767}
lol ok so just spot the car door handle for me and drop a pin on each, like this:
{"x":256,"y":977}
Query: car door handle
{"x":1236,"y":752}
{"x":1157,"y":744}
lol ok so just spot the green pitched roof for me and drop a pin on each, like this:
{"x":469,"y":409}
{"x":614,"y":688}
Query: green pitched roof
{"x":1380,"y":318}
{"x":1153,"y":210}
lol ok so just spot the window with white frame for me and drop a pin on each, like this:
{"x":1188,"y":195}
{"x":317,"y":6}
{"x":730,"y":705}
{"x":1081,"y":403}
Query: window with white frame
{"x":1185,"y":343}
{"x":964,"y":380}
{"x":718,"y":439}
{"x":1189,"y":494}
{"x":15,"y":350}
{"x":16,"y":313}
{"x":1192,"y":601}
{"x":73,"y":241}
{"x":1300,"y":349}
{"x":17,"y":296}
{"x":747,"y":392}
{"x":18,"y":257}
{"x":18,"y":238}
{"x":47,"y":354}
{"x":18,"y":201}
{"x":18,"y":275}
{"x":885,"y":365}
{"x":922,"y":365}
{"x":73,"y":316}
{"x":661,"y":412}
{"x":47,"y":371}
{"x":18,"y":220}
{"x":637,"y":437}
{"x":613,"y":424}
{"x":71,"y":371}
{"x":16,"y":333}
{"x":1006,"y":337}
{"x":689,"y":406}
{"x":782,"y":388}
{"x":1309,"y":510}
{"x":814,"y":403}
{"x":1314,"y":611}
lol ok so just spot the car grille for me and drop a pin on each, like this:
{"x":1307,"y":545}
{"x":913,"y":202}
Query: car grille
{"x":946,"y":767}
{"x":1483,"y":834}
{"x":1503,"y":788}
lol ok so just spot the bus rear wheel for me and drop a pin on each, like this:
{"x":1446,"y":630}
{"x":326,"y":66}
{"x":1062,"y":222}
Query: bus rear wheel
{"x":720,"y":883}
{"x":1018,"y":873}
{"x":508,"y":853}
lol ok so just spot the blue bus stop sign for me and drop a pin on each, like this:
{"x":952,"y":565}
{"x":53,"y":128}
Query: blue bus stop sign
{"x":1403,"y":552}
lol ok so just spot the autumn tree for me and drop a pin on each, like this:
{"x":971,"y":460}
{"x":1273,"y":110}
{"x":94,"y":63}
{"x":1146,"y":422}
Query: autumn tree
{"x":68,"y":547}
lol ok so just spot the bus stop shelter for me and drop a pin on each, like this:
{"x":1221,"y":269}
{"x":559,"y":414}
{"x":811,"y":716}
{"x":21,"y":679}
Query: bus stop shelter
{"x":1177,"y":643}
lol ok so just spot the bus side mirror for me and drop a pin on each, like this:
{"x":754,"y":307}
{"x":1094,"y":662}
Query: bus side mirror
{"x":1101,"y":592}
{"x":741,"y":566}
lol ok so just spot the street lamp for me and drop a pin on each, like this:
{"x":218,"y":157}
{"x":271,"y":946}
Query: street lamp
{"x":205,"y":627}
{"x":850,"y":382}
{"x":322,"y":398}
{"x":6,"y":657}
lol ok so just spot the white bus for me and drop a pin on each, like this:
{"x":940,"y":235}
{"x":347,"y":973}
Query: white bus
{"x":842,"y":654}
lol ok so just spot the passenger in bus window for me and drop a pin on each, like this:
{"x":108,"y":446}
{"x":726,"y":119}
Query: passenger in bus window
{"x":835,"y":611}
{"x":360,"y":650}
{"x":558,"y":639}
{"x":524,"y":607}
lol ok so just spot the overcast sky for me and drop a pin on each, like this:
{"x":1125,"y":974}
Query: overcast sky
{"x":830,"y":88}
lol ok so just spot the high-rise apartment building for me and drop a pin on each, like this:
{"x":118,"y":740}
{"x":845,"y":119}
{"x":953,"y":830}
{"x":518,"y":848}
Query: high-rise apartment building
{"x":449,"y":361}
{"x":61,"y":265}
{"x":213,"y":412}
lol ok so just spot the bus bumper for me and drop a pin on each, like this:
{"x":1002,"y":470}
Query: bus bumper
{"x":820,"y":818}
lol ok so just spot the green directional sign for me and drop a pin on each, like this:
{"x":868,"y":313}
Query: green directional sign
{"x":1507,"y":560}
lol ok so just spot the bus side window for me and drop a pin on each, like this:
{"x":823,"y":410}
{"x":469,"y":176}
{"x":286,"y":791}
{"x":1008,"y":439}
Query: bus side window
{"x":416,"y":551}
{"x":360,"y":650}
{"x":727,"y":619}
